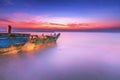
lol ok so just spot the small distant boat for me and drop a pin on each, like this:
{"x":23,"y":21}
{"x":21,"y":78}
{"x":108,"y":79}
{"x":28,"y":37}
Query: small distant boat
{"x":11,"y":41}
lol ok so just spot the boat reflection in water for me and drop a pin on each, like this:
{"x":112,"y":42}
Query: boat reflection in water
{"x":17,"y":42}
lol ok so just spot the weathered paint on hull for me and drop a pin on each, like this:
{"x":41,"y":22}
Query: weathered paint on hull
{"x":40,"y":43}
{"x":12,"y":42}
{"x":30,"y":45}
{"x":33,"y":47}
{"x":7,"y":40}
{"x":11,"y":50}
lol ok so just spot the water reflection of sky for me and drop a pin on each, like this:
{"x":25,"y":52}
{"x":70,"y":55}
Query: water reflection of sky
{"x":77,"y":56}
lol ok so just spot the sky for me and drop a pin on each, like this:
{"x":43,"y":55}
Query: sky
{"x":60,"y":14}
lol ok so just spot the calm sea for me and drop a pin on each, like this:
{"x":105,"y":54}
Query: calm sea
{"x":76,"y":56}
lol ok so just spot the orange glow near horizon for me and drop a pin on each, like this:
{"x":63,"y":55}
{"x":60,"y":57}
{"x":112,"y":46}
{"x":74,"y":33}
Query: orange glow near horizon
{"x":56,"y":23}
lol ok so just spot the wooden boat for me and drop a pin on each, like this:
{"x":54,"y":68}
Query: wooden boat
{"x":12,"y":41}
{"x":44,"y":38}
{"x":40,"y":42}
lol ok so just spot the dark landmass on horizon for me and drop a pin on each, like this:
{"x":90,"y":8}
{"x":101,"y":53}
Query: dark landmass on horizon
{"x":116,"y":29}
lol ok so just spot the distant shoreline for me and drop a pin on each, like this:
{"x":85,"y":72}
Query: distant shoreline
{"x":113,"y":30}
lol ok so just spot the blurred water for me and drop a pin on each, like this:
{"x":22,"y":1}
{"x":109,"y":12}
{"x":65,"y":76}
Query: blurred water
{"x":77,"y":56}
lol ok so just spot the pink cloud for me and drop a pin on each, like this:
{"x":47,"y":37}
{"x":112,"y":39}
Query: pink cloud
{"x":25,"y":17}
{"x":34,"y":18}
{"x":46,"y":21}
{"x":20,"y":14}
{"x":37,"y":18}
{"x":5,"y":20}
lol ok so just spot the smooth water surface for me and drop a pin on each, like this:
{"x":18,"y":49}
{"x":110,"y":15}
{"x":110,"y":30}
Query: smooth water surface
{"x":77,"y":56}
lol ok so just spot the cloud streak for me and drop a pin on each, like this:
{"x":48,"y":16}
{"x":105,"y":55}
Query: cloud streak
{"x":25,"y":20}
{"x":5,"y":20}
{"x":19,"y":14}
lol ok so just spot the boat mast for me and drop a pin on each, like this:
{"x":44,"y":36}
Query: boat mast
{"x":9,"y":29}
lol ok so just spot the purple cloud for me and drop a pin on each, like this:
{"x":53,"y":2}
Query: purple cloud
{"x":5,"y":20}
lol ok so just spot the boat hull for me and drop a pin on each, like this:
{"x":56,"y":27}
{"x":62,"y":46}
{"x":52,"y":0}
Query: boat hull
{"x":14,"y":41}
{"x":7,"y":40}
{"x":40,"y":42}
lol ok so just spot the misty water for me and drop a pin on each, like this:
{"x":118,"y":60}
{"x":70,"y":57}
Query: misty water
{"x":76,"y":56}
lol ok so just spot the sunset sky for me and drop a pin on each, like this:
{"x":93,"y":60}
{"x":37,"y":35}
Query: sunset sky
{"x":60,"y":14}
